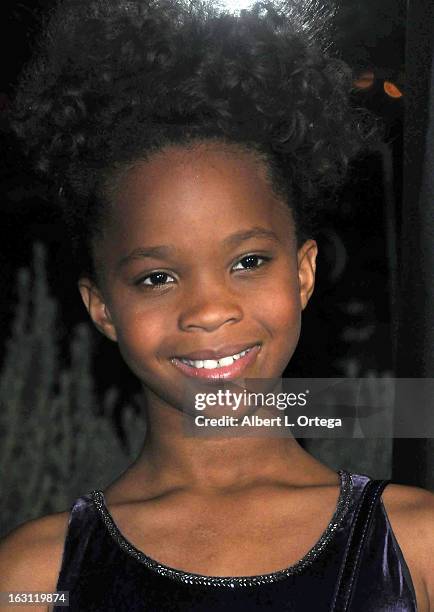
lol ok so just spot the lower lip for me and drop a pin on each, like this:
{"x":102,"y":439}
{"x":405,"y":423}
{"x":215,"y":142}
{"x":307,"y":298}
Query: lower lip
{"x":224,"y":373}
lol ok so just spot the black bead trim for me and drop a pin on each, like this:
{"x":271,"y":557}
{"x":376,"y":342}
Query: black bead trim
{"x":344,"y":499}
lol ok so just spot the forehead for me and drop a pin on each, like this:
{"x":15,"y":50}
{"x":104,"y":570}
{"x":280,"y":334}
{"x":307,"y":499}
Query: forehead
{"x":205,"y":189}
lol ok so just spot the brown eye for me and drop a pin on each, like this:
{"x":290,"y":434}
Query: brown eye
{"x":157,"y":279}
{"x":251,"y":261}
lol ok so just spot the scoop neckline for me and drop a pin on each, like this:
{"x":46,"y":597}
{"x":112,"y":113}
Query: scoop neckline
{"x":343,"y":502}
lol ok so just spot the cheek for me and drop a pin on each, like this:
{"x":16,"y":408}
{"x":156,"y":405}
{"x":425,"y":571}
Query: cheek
{"x":281,"y":315}
{"x":140,"y":335}
{"x":281,"y":304}
{"x":285,"y":309}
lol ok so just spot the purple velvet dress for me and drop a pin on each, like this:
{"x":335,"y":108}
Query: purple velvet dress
{"x":356,"y":566}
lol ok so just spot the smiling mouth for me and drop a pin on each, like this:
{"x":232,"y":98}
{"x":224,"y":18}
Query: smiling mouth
{"x":216,"y":363}
{"x":224,"y":368}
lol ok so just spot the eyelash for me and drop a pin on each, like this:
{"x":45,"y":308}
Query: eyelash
{"x":140,"y":282}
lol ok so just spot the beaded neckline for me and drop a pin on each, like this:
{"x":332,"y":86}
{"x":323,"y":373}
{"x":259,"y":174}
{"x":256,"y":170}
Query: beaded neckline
{"x":346,"y":487}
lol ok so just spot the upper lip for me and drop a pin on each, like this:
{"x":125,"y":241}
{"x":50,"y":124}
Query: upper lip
{"x":223,"y":351}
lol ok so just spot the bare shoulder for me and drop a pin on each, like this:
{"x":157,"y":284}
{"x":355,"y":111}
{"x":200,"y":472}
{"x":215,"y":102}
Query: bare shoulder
{"x":31,"y":555}
{"x":412,"y":511}
{"x":411,"y":514}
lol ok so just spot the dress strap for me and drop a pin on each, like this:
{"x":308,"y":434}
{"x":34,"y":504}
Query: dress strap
{"x":368,"y":501}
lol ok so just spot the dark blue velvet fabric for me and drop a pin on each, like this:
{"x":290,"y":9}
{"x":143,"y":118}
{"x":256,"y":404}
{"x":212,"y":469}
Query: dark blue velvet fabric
{"x":101,"y":576}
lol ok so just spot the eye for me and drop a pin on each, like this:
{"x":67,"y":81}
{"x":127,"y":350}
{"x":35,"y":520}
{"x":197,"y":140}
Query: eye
{"x":252,"y":261}
{"x":157,"y":279}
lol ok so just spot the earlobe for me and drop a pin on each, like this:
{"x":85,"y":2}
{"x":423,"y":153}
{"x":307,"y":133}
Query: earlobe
{"x":97,"y":308}
{"x":306,"y":270}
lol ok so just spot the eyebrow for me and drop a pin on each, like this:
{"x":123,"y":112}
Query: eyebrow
{"x":165,"y":251}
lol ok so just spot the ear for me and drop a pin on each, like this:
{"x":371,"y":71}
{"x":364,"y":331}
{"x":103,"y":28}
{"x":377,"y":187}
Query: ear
{"x":97,"y":308}
{"x":306,"y":257}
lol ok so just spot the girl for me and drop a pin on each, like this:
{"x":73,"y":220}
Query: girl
{"x":192,"y":151}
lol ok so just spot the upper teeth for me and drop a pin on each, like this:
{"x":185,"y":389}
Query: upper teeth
{"x":210,"y":364}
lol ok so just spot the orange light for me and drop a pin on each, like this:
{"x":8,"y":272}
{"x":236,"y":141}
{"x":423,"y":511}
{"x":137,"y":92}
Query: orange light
{"x":365,"y":80}
{"x":392,"y":90}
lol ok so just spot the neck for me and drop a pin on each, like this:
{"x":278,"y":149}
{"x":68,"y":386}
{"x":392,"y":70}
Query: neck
{"x":212,"y":464}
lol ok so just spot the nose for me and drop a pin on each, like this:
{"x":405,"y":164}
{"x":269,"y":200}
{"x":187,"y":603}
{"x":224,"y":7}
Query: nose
{"x":209,"y":307}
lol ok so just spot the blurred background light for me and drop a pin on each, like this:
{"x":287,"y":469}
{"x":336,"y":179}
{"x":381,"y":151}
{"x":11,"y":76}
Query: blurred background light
{"x":392,"y":90}
{"x":234,"y":6}
{"x":365,"y":80}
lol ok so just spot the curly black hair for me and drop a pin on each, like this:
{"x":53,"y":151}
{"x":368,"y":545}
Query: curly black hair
{"x":114,"y":80}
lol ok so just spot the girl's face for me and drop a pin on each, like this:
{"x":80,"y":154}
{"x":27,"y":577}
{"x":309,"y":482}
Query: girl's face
{"x":198,"y":253}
